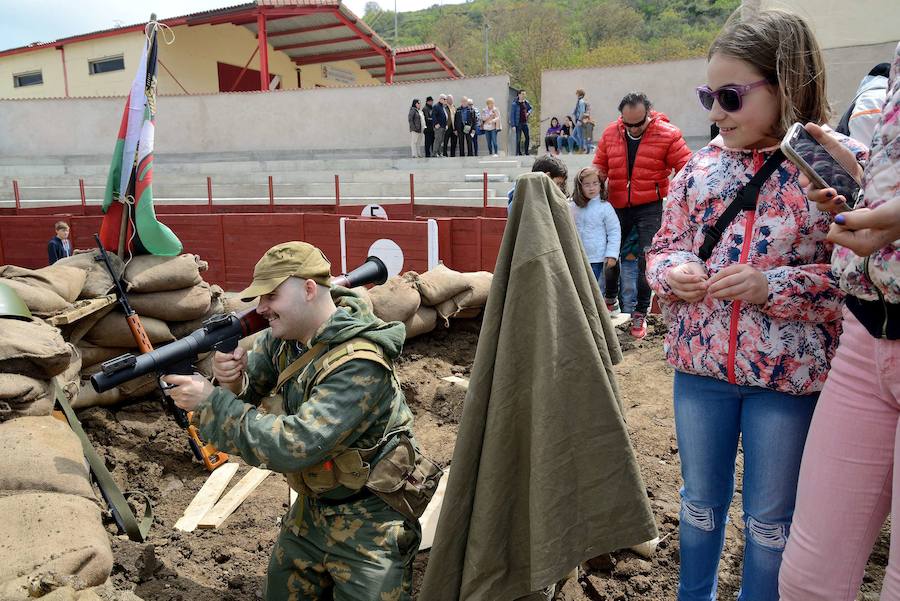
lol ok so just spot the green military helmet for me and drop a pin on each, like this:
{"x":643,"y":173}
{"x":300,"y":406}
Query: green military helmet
{"x":11,"y":304}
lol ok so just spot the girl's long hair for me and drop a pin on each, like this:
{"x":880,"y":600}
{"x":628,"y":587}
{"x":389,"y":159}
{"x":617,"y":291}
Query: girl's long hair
{"x":782,"y":47}
{"x":578,"y":196}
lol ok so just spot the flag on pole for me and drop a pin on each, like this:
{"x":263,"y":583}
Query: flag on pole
{"x":129,"y":222}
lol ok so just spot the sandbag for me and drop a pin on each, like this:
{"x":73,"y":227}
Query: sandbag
{"x":441,"y":283}
{"x":40,"y":301}
{"x":65,"y":281}
{"x":153,"y":273}
{"x":469,"y":302}
{"x":398,"y":298}
{"x":22,"y":396}
{"x":423,"y":321}
{"x":113,"y":330}
{"x":32,"y":348}
{"x":88,"y":397}
{"x":94,"y":355}
{"x":180,"y":329}
{"x":173,"y":305}
{"x":42,"y":454}
{"x":236,"y":305}
{"x":97,"y":282}
{"x":51,"y":538}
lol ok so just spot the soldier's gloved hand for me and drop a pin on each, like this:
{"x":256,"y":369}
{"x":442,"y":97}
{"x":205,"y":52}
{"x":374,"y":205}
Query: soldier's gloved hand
{"x":228,"y":368}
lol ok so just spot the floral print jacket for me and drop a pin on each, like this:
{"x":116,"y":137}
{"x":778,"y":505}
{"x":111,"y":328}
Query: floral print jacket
{"x":878,"y":276}
{"x":785,"y":344}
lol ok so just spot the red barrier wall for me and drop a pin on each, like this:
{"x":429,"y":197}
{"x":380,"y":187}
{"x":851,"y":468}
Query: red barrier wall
{"x":232,"y":243}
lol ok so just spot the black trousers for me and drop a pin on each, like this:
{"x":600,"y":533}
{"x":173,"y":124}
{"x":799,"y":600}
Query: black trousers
{"x":450,"y":138}
{"x":465,"y":144}
{"x":647,"y":219}
{"x":429,"y":140}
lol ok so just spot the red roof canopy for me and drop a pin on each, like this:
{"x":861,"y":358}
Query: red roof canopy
{"x":309,"y":32}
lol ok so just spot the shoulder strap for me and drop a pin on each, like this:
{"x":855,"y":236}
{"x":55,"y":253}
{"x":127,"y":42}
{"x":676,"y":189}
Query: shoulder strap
{"x":297,"y":365}
{"x":744,"y":201}
{"x":114,"y":498}
{"x":355,"y":348}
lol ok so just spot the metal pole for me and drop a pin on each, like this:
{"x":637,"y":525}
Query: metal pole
{"x":485,"y":206}
{"x":337,"y":191}
{"x":486,"y":29}
{"x":412,"y":194}
{"x":16,"y":196}
{"x":271,"y":195}
{"x":209,"y":192}
{"x":83,"y":199}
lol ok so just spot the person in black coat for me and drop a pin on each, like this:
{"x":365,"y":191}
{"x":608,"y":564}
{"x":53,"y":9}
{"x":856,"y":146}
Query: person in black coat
{"x":59,"y":245}
{"x":465,"y":127}
{"x":429,"y":125}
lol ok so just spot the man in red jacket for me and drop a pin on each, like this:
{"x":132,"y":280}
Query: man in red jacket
{"x":637,"y":154}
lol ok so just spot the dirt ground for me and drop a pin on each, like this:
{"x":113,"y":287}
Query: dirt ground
{"x":145,"y":450}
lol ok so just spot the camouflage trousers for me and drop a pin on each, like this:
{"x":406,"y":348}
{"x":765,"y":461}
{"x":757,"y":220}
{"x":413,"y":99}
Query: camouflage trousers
{"x":358,"y":551}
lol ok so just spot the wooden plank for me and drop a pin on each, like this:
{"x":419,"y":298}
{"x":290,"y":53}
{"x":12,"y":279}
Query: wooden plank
{"x":233,"y":499}
{"x":464,"y":383}
{"x":206,"y":497}
{"x":82,"y":309}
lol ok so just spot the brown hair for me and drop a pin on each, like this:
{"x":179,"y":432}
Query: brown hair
{"x":60,"y":225}
{"x":578,"y":196}
{"x":782,"y":47}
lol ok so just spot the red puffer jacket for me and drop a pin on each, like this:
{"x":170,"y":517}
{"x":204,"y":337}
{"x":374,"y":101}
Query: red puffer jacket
{"x":662,"y":151}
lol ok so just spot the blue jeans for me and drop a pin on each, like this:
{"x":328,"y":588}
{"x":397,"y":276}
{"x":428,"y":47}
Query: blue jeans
{"x":710,"y":415}
{"x":522,"y":128}
{"x":565,"y":141}
{"x":577,"y":137}
{"x":597,"y":268}
{"x":491,"y":136}
{"x":628,"y":274}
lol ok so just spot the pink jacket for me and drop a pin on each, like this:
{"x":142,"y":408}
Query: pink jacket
{"x":785,"y":344}
{"x":878,"y":275}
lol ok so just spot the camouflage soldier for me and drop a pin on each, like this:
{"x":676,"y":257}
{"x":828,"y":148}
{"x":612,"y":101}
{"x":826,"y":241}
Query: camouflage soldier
{"x":337,"y":426}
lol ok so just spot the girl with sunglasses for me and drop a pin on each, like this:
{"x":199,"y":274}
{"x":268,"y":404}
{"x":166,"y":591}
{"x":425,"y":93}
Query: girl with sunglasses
{"x":753,"y":327}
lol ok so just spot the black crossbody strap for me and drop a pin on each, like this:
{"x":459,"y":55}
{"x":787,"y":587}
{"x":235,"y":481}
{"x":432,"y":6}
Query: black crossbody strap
{"x":744,"y":201}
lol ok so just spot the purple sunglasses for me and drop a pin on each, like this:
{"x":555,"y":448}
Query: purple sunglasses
{"x":729,"y":97}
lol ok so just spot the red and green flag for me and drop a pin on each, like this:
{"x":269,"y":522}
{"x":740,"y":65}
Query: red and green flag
{"x":129,"y":222}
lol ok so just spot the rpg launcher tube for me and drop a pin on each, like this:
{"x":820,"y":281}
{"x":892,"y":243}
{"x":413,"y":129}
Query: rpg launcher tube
{"x":219,"y":333}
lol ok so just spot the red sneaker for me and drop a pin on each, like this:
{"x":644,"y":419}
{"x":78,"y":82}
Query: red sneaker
{"x":638,"y":325}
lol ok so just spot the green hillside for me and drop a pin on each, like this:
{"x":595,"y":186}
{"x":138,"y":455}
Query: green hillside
{"x":525,"y":37}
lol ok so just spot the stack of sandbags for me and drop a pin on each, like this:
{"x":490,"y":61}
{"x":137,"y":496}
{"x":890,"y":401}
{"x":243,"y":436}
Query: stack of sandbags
{"x":171,"y":299}
{"x":48,"y":291}
{"x":34,"y":358}
{"x":421,"y":301}
{"x":51,"y":533}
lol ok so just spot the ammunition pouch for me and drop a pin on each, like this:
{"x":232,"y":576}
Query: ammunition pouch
{"x":404,"y":478}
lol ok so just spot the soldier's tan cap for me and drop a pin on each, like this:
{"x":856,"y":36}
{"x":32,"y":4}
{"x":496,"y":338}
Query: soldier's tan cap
{"x":289,"y":259}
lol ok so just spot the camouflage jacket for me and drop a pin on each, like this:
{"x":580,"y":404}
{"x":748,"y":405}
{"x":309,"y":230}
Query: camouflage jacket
{"x":350,"y":408}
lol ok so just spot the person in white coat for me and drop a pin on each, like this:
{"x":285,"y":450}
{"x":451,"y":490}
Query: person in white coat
{"x":596,"y":222}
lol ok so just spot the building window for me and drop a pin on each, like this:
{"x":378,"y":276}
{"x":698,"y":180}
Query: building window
{"x":32,"y":78}
{"x":105,"y":65}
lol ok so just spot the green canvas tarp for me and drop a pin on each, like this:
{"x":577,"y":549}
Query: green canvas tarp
{"x":544,"y":476}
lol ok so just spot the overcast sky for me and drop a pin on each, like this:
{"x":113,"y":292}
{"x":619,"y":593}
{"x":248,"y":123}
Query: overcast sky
{"x":26,"y":21}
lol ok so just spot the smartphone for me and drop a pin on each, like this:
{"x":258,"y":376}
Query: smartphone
{"x":822,"y":169}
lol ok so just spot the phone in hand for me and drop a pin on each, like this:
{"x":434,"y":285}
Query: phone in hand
{"x":819,"y":166}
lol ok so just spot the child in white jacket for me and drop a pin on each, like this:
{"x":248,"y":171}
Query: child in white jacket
{"x":596,"y":222}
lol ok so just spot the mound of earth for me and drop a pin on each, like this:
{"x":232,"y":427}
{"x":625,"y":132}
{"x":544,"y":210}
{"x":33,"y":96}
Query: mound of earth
{"x":145,"y":450}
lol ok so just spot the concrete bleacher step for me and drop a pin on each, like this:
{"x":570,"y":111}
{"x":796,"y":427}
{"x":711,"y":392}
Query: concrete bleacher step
{"x":492,"y":177}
